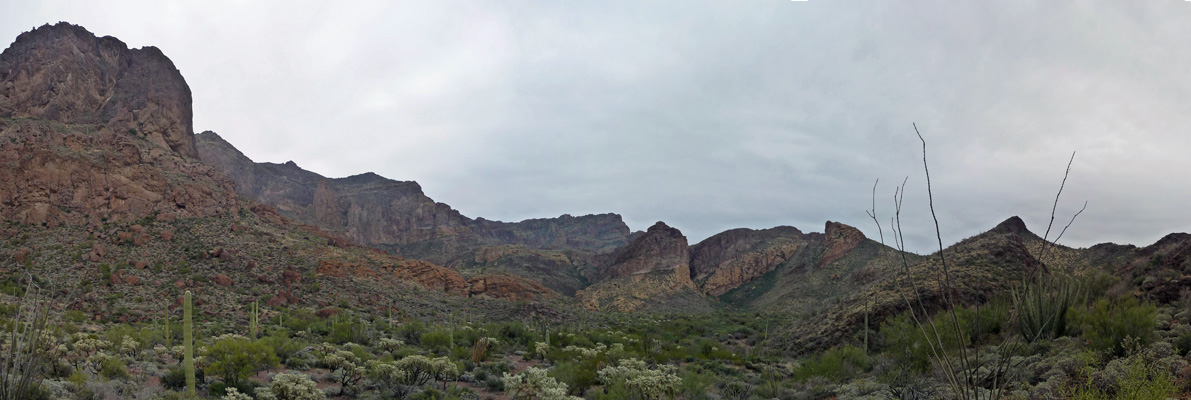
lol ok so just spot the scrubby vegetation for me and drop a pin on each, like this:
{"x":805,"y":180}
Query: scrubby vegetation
{"x":1113,"y":347}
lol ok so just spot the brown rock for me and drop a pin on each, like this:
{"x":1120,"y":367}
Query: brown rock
{"x":142,"y":264}
{"x":274,"y":301}
{"x":507,"y":287}
{"x":290,"y":277}
{"x":116,"y":280}
{"x":838,"y":239}
{"x":327,"y":313}
{"x":223,"y":280}
{"x":732,"y":258}
{"x":21,"y":255}
{"x":179,"y":284}
{"x":132,"y":280}
{"x":137,"y":229}
{"x":167,"y":236}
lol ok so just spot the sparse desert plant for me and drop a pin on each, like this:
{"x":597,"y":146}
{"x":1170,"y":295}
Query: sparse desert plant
{"x":25,"y":347}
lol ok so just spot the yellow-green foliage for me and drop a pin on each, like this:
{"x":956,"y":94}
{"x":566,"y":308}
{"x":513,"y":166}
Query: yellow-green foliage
{"x":835,"y":364}
{"x":1108,"y":322}
{"x":235,"y":358}
{"x":1141,"y":381}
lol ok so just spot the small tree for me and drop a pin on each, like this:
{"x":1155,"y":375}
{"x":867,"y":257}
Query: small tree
{"x":236,"y":358}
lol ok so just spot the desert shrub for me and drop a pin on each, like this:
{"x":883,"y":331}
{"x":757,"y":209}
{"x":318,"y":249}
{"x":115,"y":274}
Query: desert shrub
{"x":113,"y":368}
{"x":1109,"y":322}
{"x":436,"y":340}
{"x":534,"y":383}
{"x":633,"y":379}
{"x":835,"y":364}
{"x":175,"y":378}
{"x":576,"y":375}
{"x":235,"y":358}
{"x":1139,"y":381}
{"x":283,"y":346}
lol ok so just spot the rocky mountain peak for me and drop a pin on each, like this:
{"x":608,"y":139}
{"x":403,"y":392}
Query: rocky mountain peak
{"x":1013,"y":225}
{"x":838,"y":239}
{"x":65,"y":73}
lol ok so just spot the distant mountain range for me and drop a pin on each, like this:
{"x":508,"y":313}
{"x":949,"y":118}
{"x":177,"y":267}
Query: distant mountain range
{"x":97,"y":138}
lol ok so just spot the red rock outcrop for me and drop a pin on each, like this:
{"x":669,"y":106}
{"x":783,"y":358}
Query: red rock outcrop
{"x":838,"y":239}
{"x":507,"y":287}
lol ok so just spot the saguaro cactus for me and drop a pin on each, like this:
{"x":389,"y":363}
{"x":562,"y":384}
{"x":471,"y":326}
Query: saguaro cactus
{"x":188,"y":338}
{"x":254,"y":318}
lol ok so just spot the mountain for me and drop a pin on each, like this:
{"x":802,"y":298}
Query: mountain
{"x":111,"y":199}
{"x":398,"y":217}
{"x":93,"y":132}
{"x":107,"y":202}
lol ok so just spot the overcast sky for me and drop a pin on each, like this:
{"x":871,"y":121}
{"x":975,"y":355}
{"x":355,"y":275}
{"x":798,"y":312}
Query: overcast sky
{"x":708,"y":115}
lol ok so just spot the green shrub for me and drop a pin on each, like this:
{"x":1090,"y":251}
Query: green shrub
{"x":1042,"y":307}
{"x":835,"y":364}
{"x":1108,"y":322}
{"x":436,"y":340}
{"x":113,"y":368}
{"x":175,"y":378}
{"x":577,"y":375}
{"x":235,"y":358}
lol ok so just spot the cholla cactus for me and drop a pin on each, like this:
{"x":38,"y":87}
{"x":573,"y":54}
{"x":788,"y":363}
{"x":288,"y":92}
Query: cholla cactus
{"x":129,"y":346}
{"x":533,"y":383}
{"x":234,"y":394}
{"x":540,"y":348}
{"x":345,"y":367}
{"x":419,"y":369}
{"x":83,"y":350}
{"x":639,"y":381}
{"x":292,"y":386}
{"x":389,"y":345}
{"x":583,"y":352}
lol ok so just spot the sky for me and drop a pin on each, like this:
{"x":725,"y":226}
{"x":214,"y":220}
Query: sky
{"x":708,"y":115}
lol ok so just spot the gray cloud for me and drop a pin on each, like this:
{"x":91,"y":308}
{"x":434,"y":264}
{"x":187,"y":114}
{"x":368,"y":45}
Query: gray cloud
{"x":708,"y":115}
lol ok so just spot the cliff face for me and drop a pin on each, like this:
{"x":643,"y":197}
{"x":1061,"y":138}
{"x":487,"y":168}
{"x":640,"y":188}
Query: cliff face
{"x":727,"y":260}
{"x":92,"y":131}
{"x":838,"y":239}
{"x":397,"y":216}
{"x":650,"y":269}
{"x":64,"y":73}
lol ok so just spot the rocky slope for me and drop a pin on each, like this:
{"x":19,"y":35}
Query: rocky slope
{"x":397,"y":216}
{"x":102,"y":178}
{"x":643,"y":274}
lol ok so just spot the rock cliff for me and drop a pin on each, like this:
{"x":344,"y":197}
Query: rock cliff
{"x":727,"y":260}
{"x":91,"y":131}
{"x":645,"y":272}
{"x":64,"y":73}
